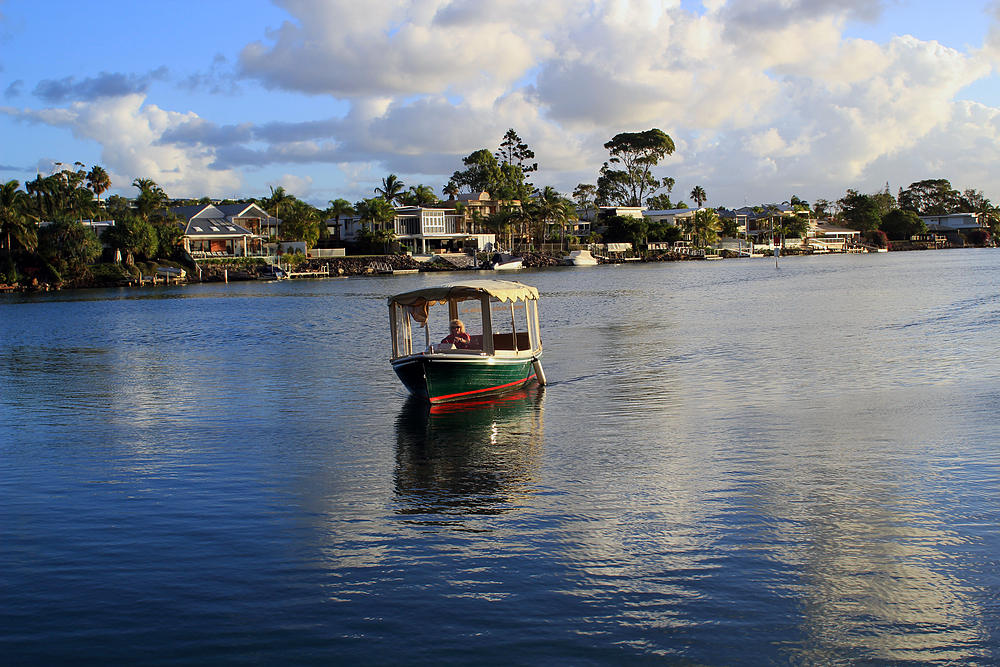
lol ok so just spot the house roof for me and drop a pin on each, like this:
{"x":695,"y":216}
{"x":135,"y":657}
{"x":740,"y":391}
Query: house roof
{"x":214,"y":228}
{"x":214,"y":212}
{"x":671,"y":211}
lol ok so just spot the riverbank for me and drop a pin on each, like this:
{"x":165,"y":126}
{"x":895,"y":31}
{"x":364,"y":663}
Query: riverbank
{"x":242,"y":269}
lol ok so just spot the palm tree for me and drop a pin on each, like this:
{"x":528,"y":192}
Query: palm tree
{"x":14,"y":225}
{"x":278,"y":199}
{"x":698,"y":195}
{"x":302,"y":223}
{"x":704,"y":227}
{"x":391,"y":188}
{"x":339,"y":207}
{"x":551,"y":208}
{"x":151,"y":200}
{"x":98,"y":181}
{"x":450,"y":189}
{"x":377,"y":212}
{"x":421,"y":195}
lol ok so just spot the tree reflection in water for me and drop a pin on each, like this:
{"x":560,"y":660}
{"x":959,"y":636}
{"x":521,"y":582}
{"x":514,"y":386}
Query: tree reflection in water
{"x":459,"y":460}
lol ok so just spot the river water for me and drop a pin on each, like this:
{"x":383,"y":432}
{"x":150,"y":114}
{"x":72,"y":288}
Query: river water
{"x":733,"y":464}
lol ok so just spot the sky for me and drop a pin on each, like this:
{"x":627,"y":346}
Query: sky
{"x":764,"y":99}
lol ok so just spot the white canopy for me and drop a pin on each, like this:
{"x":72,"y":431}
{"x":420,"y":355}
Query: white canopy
{"x":502,"y":290}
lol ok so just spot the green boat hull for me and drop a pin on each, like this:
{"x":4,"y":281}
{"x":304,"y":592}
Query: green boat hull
{"x":441,"y":378}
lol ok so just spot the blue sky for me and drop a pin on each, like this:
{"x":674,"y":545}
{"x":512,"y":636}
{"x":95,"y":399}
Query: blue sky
{"x":764,"y":100}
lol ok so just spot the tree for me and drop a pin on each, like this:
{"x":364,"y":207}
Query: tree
{"x":339,"y":207}
{"x":637,"y":153}
{"x":627,"y":229}
{"x":133,"y":236}
{"x":552,"y":209}
{"x":660,"y":202}
{"x":14,"y":224}
{"x":98,"y":181}
{"x":151,"y":200}
{"x":797,"y":227}
{"x":301,"y":223}
{"x":698,"y":195}
{"x":278,"y":200}
{"x":482,"y":173}
{"x":728,"y":227}
{"x":860,"y":212}
{"x":376,"y":213}
{"x":391,"y":188}
{"x":419,"y":195}
{"x":67,"y":246}
{"x":900,"y":225}
{"x":704,"y":226}
{"x":451,"y":189}
{"x":821,"y":207}
{"x":930,"y":197}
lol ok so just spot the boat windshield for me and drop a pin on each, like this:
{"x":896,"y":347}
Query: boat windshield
{"x":495,"y":325}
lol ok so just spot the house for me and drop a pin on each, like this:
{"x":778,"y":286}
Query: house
{"x":825,"y":235}
{"x":423,"y":230}
{"x":224,"y":230}
{"x":956,"y":222}
{"x":673,"y":216}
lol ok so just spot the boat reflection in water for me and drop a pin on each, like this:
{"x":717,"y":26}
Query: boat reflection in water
{"x":455,"y":461}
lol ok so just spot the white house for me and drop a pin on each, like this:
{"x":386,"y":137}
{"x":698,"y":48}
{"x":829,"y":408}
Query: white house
{"x":231,"y":229}
{"x":673,"y":216}
{"x":423,"y":230}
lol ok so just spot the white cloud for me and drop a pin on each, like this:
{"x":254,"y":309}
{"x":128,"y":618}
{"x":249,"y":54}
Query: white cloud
{"x":129,"y":133}
{"x":760,"y":97}
{"x":298,"y":186}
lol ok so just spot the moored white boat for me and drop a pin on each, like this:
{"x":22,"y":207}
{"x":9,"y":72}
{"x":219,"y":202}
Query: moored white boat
{"x":503,"y":352}
{"x":580,"y":258}
{"x":504,"y":262}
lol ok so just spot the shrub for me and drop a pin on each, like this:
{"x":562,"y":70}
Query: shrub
{"x":979,"y":237}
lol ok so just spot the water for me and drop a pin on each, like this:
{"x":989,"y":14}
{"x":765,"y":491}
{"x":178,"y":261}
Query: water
{"x":733,"y":464}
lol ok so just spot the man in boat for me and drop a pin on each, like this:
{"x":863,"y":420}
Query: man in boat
{"x":457,"y":337}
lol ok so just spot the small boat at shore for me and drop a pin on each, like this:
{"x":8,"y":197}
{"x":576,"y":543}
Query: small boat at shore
{"x":503,"y":352}
{"x":504,"y":262}
{"x":580,"y":258}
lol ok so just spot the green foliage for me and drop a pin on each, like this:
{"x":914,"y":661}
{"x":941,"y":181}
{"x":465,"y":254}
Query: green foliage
{"x":134,"y":237}
{"x":978,"y":237}
{"x":9,"y":274}
{"x":418,"y":195}
{"x":877,"y":237}
{"x":703,"y":226}
{"x":151,"y":201}
{"x":392,"y":188}
{"x":637,"y":153}
{"x":660,"y":202}
{"x":795,"y":227}
{"x":900,"y":224}
{"x":503,"y":174}
{"x":302,"y":223}
{"x":376,"y":213}
{"x":67,"y":246}
{"x":698,"y":195}
{"x":109,"y":273}
{"x":931,"y":197}
{"x":860,"y":212}
{"x":664,"y":231}
{"x":626,"y":229}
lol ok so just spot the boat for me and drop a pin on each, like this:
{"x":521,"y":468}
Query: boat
{"x":503,"y":262}
{"x":272,"y":272}
{"x":503,"y":353}
{"x":580,"y":258}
